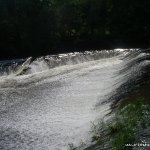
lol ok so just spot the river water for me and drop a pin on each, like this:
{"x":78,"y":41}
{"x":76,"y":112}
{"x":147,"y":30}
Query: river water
{"x":49,"y":102}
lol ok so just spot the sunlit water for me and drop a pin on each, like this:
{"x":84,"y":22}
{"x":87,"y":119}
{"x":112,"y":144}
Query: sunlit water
{"x":55,"y":100}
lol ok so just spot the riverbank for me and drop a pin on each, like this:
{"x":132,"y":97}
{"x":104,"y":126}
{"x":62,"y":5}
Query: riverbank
{"x":44,"y":27}
{"x":130,"y":125}
{"x":125,"y":130}
{"x":128,"y":129}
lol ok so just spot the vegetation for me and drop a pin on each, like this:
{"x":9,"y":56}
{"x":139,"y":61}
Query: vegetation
{"x":123,"y":128}
{"x":39,"y":27}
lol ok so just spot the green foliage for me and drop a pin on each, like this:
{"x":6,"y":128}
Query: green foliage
{"x":38,"y":25}
{"x":124,"y":127}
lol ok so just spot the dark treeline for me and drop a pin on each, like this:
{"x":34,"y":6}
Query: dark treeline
{"x":39,"y":27}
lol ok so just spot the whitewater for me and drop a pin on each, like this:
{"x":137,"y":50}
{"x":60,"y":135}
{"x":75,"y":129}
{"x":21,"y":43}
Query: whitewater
{"x":52,"y":101}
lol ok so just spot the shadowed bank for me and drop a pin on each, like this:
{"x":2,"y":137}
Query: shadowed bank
{"x":44,"y":27}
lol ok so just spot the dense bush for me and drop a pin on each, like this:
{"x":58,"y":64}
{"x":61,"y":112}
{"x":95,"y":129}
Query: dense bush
{"x":124,"y":128}
{"x":35,"y":27}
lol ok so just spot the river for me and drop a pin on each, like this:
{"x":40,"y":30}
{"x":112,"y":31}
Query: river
{"x":49,"y":102}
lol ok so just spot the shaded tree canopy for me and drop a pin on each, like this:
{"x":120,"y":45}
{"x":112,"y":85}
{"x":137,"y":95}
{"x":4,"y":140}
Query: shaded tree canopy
{"x":40,"y":27}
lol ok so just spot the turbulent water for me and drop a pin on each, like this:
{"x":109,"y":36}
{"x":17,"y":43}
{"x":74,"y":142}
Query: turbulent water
{"x":49,"y":102}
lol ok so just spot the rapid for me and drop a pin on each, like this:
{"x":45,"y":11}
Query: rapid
{"x":49,"y":102}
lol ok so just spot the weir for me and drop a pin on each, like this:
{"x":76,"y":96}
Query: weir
{"x":49,"y":102}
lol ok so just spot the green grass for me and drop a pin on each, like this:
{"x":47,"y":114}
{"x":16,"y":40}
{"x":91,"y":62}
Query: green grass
{"x":124,"y":127}
{"x":121,"y":129}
